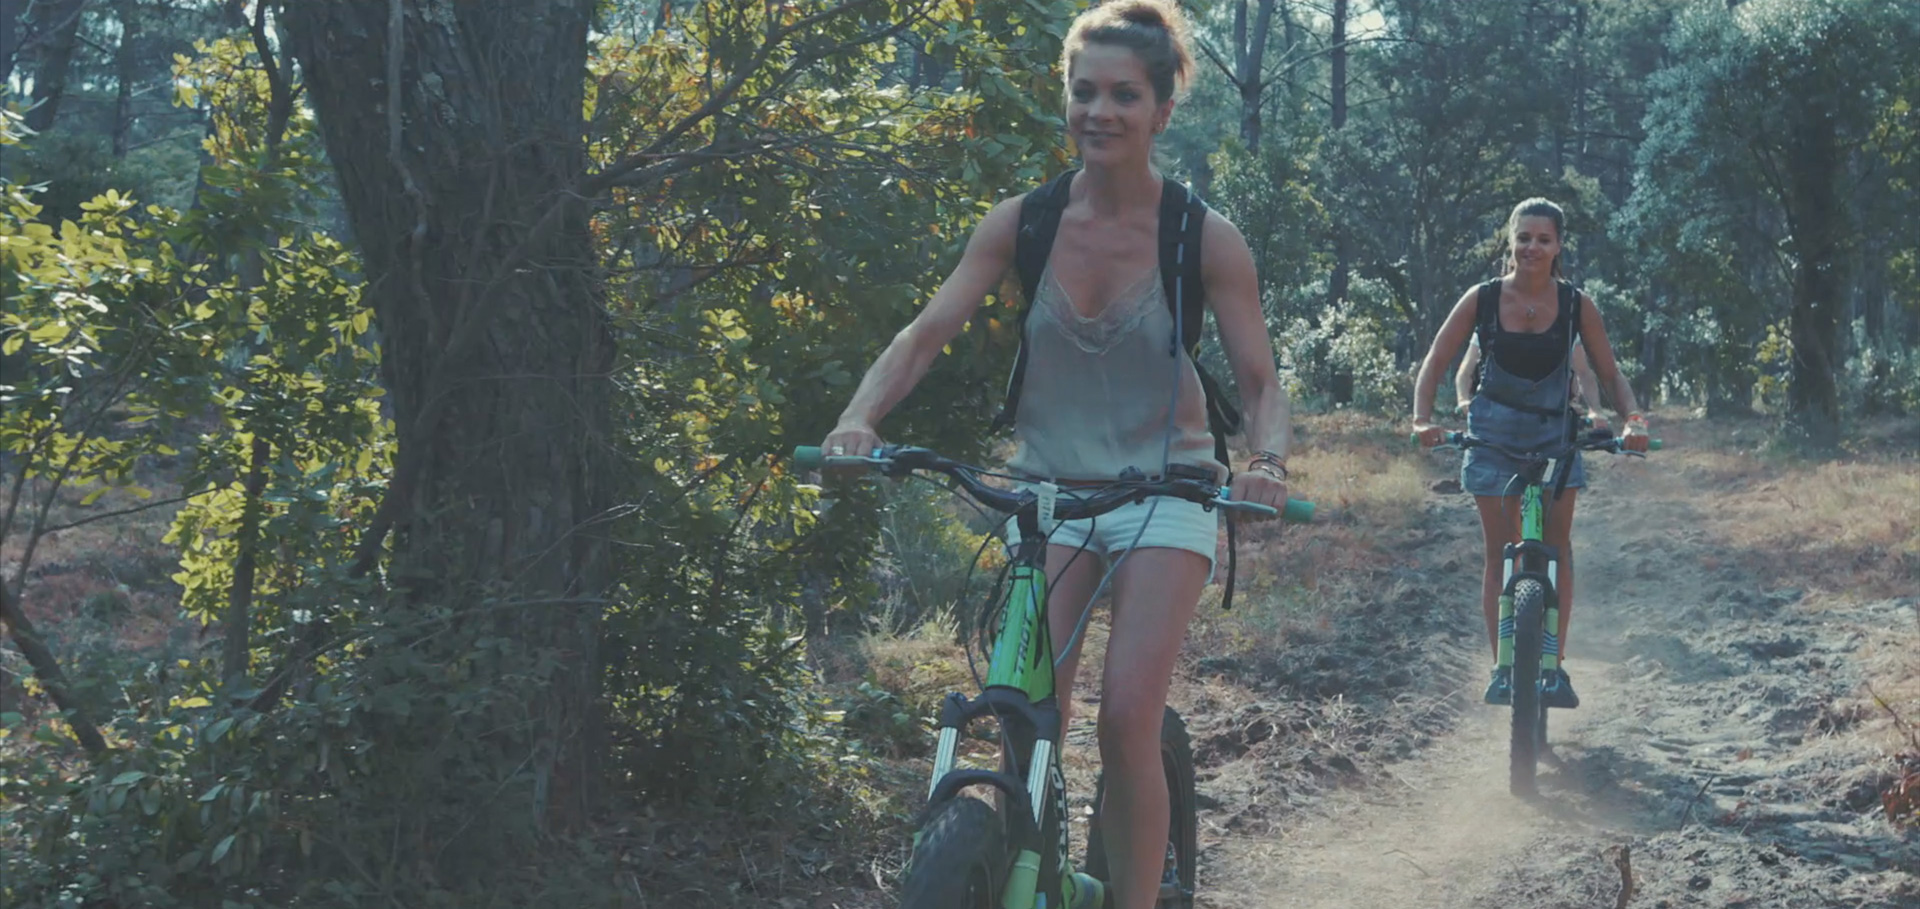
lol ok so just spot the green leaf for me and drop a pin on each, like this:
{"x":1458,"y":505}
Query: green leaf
{"x":218,"y":729}
{"x":50,"y":333}
{"x":93,"y":496}
{"x":10,"y":719}
{"x":131,"y":776}
{"x":220,"y":851}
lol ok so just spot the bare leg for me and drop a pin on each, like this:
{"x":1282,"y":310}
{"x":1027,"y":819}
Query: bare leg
{"x":1559,"y":535}
{"x":1499,"y":525}
{"x":1070,"y":585}
{"x":1155,"y":593}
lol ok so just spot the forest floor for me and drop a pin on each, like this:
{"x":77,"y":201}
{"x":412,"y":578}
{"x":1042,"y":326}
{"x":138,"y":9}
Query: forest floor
{"x":1746,"y":642}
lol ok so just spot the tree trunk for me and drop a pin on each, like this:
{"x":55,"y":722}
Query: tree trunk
{"x":1818,"y":282}
{"x":59,"y":23}
{"x":125,"y":70}
{"x":460,"y":179}
{"x":1251,"y":51}
{"x":13,"y":35}
{"x":1340,"y":281}
{"x":236,"y":648}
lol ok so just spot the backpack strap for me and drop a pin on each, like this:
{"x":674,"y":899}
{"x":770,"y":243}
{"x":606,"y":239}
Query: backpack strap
{"x":1039,"y":224}
{"x":1183,"y":216}
{"x":1570,"y":311}
{"x":1486,"y":324}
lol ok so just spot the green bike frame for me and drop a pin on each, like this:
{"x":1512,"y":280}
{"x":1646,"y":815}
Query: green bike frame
{"x":1532,"y":557}
{"x":1020,"y":693}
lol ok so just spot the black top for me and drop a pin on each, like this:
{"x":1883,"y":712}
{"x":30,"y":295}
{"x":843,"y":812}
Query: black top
{"x":1530,"y":355}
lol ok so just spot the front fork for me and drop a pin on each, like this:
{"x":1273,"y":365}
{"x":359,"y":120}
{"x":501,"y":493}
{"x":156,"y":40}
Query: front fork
{"x":1020,"y":679}
{"x":1513,"y":554}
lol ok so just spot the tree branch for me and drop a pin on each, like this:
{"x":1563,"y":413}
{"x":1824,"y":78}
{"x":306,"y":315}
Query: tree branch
{"x":612,"y":174}
{"x":1214,"y":55}
{"x":47,"y":669}
{"x":157,"y":503}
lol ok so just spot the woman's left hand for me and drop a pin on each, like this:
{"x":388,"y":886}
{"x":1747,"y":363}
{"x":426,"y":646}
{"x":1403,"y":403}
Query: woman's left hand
{"x":1262,"y":486}
{"x":1635,"y":438}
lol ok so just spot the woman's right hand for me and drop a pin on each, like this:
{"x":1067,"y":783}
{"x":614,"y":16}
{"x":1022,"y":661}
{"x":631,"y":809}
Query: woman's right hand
{"x":1429,"y":434}
{"x":850,"y":440}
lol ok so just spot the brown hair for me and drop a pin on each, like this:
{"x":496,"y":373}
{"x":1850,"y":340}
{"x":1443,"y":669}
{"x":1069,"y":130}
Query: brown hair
{"x":1155,"y":30}
{"x":1538,"y":207}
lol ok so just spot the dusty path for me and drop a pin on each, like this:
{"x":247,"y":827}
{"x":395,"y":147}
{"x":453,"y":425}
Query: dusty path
{"x":1709,"y":745}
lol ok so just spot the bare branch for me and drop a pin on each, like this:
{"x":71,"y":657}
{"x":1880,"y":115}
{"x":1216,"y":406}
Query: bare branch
{"x":147,"y":506}
{"x":1214,"y":55}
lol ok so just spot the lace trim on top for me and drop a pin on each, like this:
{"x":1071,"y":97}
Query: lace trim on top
{"x":1099,"y":333}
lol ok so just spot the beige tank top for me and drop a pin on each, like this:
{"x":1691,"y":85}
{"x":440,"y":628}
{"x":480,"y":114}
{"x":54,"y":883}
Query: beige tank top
{"x":1095,"y":396}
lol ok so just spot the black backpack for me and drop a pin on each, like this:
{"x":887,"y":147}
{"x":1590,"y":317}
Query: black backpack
{"x":1182,"y":215}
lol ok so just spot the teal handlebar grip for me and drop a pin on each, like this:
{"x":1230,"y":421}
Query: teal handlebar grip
{"x":1296,"y":511}
{"x":1654,"y":445}
{"x":807,"y":457}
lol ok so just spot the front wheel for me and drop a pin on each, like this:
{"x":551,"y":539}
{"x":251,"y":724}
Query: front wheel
{"x":1529,"y":709}
{"x":959,"y":858}
{"x":1183,"y":824}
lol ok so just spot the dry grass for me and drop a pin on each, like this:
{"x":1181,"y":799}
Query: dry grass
{"x":1370,"y":488}
{"x":920,"y":667}
{"x":1850,"y":525}
{"x":1362,"y":470}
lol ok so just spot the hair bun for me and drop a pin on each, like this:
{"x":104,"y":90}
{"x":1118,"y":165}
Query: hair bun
{"x":1141,"y":12}
{"x":1157,"y":30}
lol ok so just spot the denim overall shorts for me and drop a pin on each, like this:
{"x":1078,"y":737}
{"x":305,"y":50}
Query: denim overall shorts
{"x":1492,"y":415}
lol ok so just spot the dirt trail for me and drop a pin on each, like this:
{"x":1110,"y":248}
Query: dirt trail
{"x":1713,"y":743}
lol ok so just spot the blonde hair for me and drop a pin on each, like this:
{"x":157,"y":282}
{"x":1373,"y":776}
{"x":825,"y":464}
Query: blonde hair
{"x":1155,"y":30}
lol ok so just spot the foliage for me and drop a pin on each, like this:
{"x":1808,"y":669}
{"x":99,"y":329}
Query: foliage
{"x":1347,"y":341}
{"x":1738,"y":195}
{"x":139,"y":326}
{"x":775,"y":190}
{"x":753,"y":287}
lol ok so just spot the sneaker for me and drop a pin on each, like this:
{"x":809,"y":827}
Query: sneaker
{"x":1556,"y":690}
{"x":1500,"y":689}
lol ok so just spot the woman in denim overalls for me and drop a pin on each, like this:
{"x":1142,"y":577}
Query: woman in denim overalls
{"x":1525,"y":401}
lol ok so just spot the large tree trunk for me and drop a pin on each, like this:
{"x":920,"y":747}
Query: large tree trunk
{"x":58,"y":24}
{"x":460,"y":180}
{"x":1818,"y":283}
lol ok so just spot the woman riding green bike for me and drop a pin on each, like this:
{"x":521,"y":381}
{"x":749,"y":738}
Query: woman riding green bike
{"x":1109,"y":389}
{"x":1528,"y":325}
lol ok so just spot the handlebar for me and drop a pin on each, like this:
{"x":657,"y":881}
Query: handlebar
{"x":1074,"y":504}
{"x":1600,"y":440}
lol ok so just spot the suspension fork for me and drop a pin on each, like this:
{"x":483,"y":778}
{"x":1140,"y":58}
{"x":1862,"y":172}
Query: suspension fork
{"x":1530,"y":558}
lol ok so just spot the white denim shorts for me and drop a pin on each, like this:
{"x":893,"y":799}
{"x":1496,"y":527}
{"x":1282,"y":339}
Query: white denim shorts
{"x":1176,"y":524}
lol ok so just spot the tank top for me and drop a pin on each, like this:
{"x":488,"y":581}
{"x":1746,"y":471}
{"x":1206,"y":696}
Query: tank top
{"x":1097,"y":389}
{"x":1531,"y":355}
